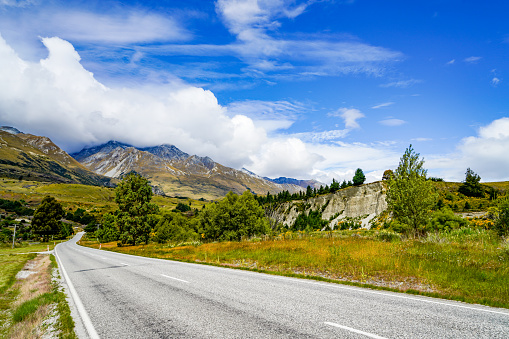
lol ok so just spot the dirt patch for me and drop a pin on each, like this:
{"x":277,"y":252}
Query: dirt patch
{"x":34,"y":280}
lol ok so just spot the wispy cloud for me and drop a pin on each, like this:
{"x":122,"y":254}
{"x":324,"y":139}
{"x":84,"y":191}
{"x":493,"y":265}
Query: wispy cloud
{"x":472,"y":59}
{"x":451,"y":62}
{"x":421,"y":139}
{"x":392,"y":122}
{"x":402,"y":83}
{"x":385,"y":104}
{"x":495,"y":81}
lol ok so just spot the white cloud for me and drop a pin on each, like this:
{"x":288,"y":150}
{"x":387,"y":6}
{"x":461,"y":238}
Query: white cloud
{"x":472,"y":59}
{"x":271,"y":115}
{"x":421,"y":139}
{"x":385,"y":104}
{"x":485,"y":153}
{"x":253,"y":21}
{"x":58,"y":98}
{"x":349,"y":115}
{"x":285,"y":157}
{"x":495,"y":81}
{"x":392,"y":122}
{"x":451,"y":62}
{"x":402,"y":83}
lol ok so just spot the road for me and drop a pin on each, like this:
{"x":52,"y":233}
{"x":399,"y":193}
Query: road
{"x":126,"y":296}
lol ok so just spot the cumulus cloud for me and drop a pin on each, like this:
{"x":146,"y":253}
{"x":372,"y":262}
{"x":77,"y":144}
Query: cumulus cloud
{"x":349,"y":116}
{"x":485,"y":153}
{"x":59,"y":98}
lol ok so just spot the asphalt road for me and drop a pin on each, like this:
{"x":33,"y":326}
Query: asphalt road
{"x":134,"y":297}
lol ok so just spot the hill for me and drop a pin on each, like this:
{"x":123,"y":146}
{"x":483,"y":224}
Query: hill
{"x":30,"y":157}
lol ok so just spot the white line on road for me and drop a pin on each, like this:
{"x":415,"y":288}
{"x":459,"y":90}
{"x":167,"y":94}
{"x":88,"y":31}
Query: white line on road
{"x":79,"y":305}
{"x":371,"y":335}
{"x":124,"y":264}
{"x":167,"y":276}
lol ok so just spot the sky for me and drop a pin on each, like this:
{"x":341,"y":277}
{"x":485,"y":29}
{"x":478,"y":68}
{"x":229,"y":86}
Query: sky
{"x":302,"y":89}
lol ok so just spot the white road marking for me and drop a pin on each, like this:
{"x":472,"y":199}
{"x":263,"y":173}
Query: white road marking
{"x":124,"y":264}
{"x":167,"y":276}
{"x":371,"y":335}
{"x":79,"y":305}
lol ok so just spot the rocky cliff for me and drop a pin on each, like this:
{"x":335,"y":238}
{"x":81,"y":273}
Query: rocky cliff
{"x":359,"y":203}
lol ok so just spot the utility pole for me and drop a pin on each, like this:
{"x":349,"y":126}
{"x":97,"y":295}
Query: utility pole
{"x":14,"y":236}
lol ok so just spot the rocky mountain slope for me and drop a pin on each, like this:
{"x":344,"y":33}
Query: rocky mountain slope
{"x":32,"y":157}
{"x":175,"y":172}
{"x":356,"y":203}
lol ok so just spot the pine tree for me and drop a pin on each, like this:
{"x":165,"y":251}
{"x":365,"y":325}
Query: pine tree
{"x":359,"y":177}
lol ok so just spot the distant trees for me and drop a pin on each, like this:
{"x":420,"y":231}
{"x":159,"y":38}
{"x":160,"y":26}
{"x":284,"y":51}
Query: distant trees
{"x":472,"y":187}
{"x":359,"y":177}
{"x":233,"y":217}
{"x":411,"y":197}
{"x":46,"y":220}
{"x":133,"y":195}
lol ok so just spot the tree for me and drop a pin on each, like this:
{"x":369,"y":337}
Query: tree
{"x":471,"y":187}
{"x":501,"y":217}
{"x":47,"y":217}
{"x":108,"y":230}
{"x":334,"y":186}
{"x":359,"y":177}
{"x":411,"y":197}
{"x":233,"y":217}
{"x":133,"y":195}
{"x":388,"y":174}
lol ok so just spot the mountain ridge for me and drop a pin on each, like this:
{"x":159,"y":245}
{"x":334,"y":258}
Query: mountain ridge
{"x":176,"y":172}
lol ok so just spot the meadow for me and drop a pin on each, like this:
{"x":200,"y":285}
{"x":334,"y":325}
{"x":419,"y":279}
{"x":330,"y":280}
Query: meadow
{"x":470,"y":265}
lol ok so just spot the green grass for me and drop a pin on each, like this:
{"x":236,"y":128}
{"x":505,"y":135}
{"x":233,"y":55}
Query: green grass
{"x":100,"y":199}
{"x":473,"y":269}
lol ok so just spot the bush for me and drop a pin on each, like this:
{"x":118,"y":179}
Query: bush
{"x":174,"y":227}
{"x":445,"y":220}
{"x":501,"y":217}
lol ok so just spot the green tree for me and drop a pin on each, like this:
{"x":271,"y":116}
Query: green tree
{"x":501,"y":217}
{"x":133,"y":195}
{"x":471,"y":187}
{"x":411,"y":197}
{"x":359,"y":177}
{"x":108,"y":230}
{"x":174,"y":227}
{"x":47,"y":217}
{"x":334,"y":186}
{"x":233,"y":217}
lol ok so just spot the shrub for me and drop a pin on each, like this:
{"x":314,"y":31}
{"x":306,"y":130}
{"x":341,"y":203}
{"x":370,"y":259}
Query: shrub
{"x":445,"y":219}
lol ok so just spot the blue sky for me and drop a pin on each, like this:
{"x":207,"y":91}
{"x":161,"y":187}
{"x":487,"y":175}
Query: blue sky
{"x":306,"y":89}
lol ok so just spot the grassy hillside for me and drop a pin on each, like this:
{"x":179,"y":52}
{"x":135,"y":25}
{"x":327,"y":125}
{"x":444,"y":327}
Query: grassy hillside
{"x":91,"y":198}
{"x":20,"y":158}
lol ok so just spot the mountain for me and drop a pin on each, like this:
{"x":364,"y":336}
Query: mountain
{"x":175,"y":172}
{"x":302,"y":183}
{"x":33,"y":157}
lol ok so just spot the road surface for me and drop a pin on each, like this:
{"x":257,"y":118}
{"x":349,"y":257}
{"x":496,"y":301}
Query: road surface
{"x":124,"y":296}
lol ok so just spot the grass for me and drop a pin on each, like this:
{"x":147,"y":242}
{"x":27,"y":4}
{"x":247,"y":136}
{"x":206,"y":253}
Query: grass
{"x":468,"y":268}
{"x":26,"y":303}
{"x":100,"y":199}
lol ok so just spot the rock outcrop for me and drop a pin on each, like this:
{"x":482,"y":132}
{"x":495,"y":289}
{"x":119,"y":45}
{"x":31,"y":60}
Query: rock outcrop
{"x":361,"y":203}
